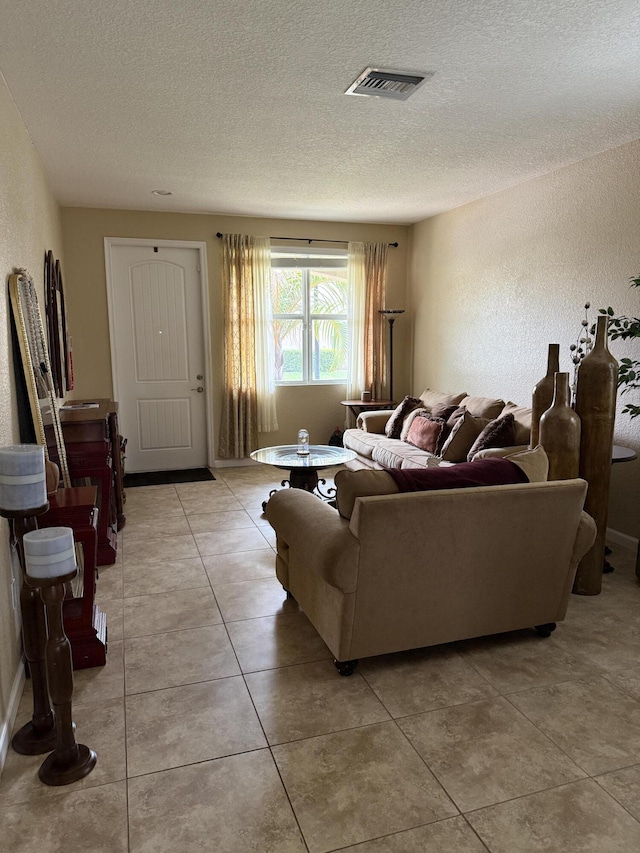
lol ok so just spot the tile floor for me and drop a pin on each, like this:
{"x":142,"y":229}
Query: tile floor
{"x":221,"y":725}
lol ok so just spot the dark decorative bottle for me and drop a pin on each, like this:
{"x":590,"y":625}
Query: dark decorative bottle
{"x":560,"y":433}
{"x":596,"y":406}
{"x":543,"y":392}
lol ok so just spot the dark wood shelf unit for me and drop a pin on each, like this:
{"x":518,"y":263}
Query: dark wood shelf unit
{"x":94,"y":452}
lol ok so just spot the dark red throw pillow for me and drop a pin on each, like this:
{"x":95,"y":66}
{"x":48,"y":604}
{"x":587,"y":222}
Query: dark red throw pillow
{"x":424,"y":433}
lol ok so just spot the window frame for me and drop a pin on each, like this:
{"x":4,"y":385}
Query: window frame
{"x":307,"y":261}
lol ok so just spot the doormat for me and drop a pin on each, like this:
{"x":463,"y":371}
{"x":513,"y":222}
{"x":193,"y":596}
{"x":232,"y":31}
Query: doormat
{"x":167,"y":478}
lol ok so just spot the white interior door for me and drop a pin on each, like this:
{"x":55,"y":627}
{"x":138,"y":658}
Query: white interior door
{"x":158,"y":354}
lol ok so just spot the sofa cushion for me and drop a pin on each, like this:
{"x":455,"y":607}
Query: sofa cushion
{"x":393,"y":426}
{"x":498,"y":433}
{"x":436,"y":398}
{"x":425,"y":432}
{"x":483,"y":407}
{"x":465,"y":431}
{"x":522,"y":420}
{"x":414,"y":458}
{"x":390,"y":452}
{"x":357,"y":484}
{"x":362,"y":442}
{"x":484,"y":472}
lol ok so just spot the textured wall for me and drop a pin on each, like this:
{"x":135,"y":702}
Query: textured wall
{"x":493,"y":282}
{"x":318,"y":408}
{"x":29,"y":225}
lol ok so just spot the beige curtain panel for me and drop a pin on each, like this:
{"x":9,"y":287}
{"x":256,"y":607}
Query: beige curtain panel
{"x":375,"y":362}
{"x":239,"y":430}
{"x":367,"y":271}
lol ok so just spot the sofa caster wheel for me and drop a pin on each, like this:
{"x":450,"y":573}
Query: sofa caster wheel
{"x":345,"y":667}
{"x":546,"y":629}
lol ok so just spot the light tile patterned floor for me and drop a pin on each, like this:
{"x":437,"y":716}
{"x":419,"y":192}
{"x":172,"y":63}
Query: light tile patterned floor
{"x":221,"y":724}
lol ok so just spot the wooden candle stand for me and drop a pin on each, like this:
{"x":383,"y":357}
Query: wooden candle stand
{"x":70,"y":761}
{"x":39,"y":734}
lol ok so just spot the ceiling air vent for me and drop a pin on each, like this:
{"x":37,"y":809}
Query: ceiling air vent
{"x":387,"y":83}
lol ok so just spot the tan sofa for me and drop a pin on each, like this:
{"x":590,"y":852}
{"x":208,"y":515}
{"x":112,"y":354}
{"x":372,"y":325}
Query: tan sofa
{"x":408,"y":570}
{"x":375,"y":450}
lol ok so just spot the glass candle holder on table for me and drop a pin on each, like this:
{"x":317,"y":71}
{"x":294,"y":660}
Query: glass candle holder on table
{"x":303,"y":442}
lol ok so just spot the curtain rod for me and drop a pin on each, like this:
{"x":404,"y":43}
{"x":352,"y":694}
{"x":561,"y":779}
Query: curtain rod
{"x":308,"y":240}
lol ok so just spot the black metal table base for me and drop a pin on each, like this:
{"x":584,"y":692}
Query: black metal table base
{"x":308,"y":481}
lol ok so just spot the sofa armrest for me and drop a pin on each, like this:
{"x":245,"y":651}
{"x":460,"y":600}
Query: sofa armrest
{"x":585,"y":537}
{"x":374,"y":421}
{"x":316,"y":532}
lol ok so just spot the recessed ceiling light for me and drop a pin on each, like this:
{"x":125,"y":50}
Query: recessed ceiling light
{"x":161,"y":192}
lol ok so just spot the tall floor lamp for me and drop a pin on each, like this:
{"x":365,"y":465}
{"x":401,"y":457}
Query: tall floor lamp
{"x":391,"y":315}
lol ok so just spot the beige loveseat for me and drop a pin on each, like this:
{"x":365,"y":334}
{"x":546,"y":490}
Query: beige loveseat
{"x":374,"y":449}
{"x":408,"y":570}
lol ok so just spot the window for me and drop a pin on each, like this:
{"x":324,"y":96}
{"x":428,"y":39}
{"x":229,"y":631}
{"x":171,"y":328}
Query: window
{"x":310,"y":323}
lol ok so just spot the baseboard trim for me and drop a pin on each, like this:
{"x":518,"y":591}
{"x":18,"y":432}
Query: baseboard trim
{"x":6,"y":726}
{"x":234,"y":463}
{"x":630,"y":542}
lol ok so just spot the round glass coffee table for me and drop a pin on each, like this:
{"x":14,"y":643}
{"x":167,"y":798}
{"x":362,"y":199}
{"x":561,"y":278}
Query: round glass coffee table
{"x":303,"y":469}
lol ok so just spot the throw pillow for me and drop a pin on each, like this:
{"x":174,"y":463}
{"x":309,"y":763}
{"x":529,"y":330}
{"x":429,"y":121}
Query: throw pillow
{"x":359,"y":484}
{"x":450,"y":414}
{"x":522,"y":415}
{"x":425,"y":432}
{"x":498,"y":433}
{"x":406,"y":424}
{"x":458,"y":443}
{"x":534,"y":463}
{"x":443,"y":412}
{"x":394,"y":424}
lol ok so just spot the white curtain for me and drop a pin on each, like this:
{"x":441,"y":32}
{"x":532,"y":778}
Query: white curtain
{"x":265,"y":352}
{"x":357,"y":317}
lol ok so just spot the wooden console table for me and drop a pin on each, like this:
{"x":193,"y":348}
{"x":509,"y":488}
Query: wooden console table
{"x":85,"y":624}
{"x":93,"y":445}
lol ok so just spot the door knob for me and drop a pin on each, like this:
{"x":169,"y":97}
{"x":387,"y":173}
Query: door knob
{"x":199,"y":389}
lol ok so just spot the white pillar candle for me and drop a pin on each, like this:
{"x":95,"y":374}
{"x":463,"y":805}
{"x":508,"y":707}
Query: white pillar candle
{"x":23,"y":482}
{"x":49,"y":552}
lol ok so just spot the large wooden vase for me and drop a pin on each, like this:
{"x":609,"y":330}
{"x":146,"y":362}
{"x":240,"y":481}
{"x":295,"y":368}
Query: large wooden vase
{"x":596,"y":406}
{"x":543,"y":392}
{"x":560,"y":433}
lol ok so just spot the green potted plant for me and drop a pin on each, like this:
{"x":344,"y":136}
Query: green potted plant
{"x":626,"y":328}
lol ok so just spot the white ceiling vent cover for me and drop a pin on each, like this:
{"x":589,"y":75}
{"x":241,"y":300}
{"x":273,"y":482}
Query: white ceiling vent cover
{"x":387,"y":83}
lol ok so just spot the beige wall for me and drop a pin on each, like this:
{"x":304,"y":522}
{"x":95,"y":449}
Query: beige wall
{"x":29,"y":225}
{"x":316,"y":408}
{"x":493,"y":282}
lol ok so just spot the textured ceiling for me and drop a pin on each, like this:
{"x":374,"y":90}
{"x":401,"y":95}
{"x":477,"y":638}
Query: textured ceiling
{"x":238,"y":107}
